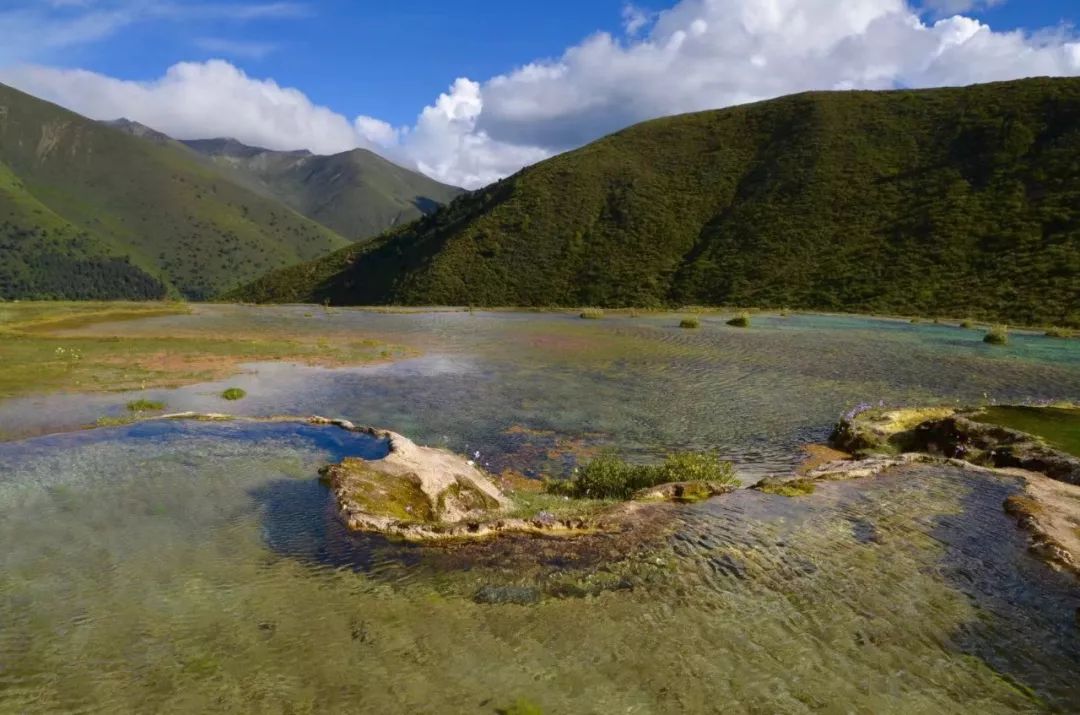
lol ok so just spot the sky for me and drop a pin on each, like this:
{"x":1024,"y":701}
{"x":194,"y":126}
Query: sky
{"x":473,"y":90}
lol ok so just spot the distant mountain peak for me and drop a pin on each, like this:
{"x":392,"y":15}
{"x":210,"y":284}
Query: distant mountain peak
{"x":228,"y":146}
{"x":356,"y":193}
{"x":137,"y":129}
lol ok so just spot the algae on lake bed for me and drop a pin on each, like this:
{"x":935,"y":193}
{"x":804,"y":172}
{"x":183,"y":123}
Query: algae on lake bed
{"x":203,"y":573}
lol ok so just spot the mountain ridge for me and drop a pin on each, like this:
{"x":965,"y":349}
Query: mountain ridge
{"x":87,"y":211}
{"x":356,"y":193}
{"x":960,"y":201}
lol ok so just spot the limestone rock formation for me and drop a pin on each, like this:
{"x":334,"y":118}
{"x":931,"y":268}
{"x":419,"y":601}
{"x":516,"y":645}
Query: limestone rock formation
{"x":412,"y":490}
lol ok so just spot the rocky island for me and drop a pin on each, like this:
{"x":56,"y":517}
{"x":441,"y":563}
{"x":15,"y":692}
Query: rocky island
{"x":430,"y":494}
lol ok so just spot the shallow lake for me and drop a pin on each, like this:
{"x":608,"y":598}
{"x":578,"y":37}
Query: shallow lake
{"x":187,"y":566}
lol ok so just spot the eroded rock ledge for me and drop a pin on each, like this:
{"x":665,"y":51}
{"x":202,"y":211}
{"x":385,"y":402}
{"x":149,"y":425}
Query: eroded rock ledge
{"x":1048,"y":508}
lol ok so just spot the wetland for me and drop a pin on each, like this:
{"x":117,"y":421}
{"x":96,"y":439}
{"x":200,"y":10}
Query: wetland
{"x":179,"y":565}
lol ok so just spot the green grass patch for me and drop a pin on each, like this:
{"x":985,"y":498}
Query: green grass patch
{"x":1056,"y":332}
{"x":610,"y":477}
{"x":37,"y":361}
{"x":529,"y":505}
{"x":233,"y":394}
{"x":145,"y":406}
{"x":592,"y":314}
{"x":690,"y":323}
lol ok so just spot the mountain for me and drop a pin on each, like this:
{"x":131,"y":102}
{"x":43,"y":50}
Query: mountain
{"x":87,"y":211}
{"x":142,"y":131}
{"x":959,"y":201}
{"x":357,"y":193}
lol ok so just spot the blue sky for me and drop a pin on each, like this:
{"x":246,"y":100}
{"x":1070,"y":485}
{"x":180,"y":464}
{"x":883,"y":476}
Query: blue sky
{"x":440,"y":86}
{"x":386,"y":59}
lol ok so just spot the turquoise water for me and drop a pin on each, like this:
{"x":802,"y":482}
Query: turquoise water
{"x":197,"y":567}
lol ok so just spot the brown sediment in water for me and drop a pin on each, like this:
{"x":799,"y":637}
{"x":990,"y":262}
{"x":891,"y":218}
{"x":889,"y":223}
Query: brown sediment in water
{"x":817,"y":455}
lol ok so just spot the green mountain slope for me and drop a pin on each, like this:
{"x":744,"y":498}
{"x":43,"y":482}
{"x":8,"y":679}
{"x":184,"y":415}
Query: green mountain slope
{"x":948,"y":201}
{"x":357,"y":193}
{"x":44,"y":256}
{"x":89,"y":211}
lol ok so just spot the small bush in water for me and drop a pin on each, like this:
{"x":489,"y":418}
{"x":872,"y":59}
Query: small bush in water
{"x":997,"y":335}
{"x":690,"y":323}
{"x":233,"y":393}
{"x":592,"y":314}
{"x":1059,"y":333}
{"x":742,"y":320}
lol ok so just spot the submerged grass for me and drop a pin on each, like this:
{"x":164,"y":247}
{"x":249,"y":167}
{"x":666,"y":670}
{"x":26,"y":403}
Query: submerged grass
{"x":234,"y":393}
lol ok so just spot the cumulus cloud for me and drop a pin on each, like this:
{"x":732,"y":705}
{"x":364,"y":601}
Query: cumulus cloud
{"x":703,"y":54}
{"x":197,"y":100}
{"x":699,"y":54}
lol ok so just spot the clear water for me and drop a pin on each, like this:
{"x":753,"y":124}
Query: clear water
{"x":175,"y":567}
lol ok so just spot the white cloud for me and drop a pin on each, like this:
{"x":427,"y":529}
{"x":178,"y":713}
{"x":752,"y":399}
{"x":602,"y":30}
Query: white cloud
{"x":378,"y":132}
{"x":33,"y":29}
{"x":703,"y":54}
{"x":699,"y":54}
{"x":945,"y":8}
{"x":635,"y":19}
{"x":197,"y":100}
